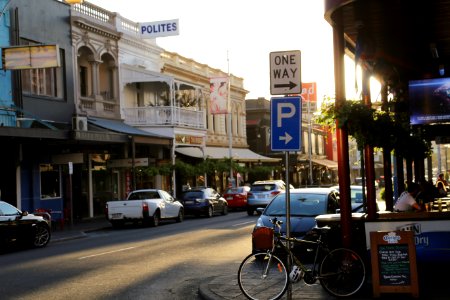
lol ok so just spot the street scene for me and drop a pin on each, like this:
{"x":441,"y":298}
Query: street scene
{"x":170,"y":151}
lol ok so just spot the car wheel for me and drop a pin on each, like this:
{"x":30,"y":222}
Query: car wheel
{"x":41,"y":236}
{"x":210,"y":212}
{"x":225,"y":210}
{"x":116,"y":224}
{"x":250,"y":211}
{"x":154,"y":221}
{"x":180,"y":217}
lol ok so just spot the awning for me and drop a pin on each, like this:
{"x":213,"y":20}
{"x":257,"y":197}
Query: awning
{"x":330,"y":164}
{"x":130,"y":74}
{"x":141,"y":136}
{"x":238,"y":154}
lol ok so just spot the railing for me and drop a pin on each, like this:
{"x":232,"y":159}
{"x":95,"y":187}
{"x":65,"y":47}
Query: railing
{"x":95,"y":12}
{"x":164,"y":116}
{"x":105,"y":17}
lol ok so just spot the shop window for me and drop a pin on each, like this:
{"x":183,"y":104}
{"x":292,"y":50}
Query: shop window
{"x":50,"y":181}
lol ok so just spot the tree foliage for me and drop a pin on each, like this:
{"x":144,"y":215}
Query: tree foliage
{"x":376,"y":128}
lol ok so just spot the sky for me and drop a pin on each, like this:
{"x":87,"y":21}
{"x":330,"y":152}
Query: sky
{"x":237,"y":36}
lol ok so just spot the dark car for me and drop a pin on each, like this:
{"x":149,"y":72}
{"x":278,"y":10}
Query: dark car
{"x":237,"y":197}
{"x":203,"y":201}
{"x":23,"y":228}
{"x":305,"y":205}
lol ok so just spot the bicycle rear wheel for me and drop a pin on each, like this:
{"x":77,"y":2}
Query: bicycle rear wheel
{"x":342,"y":272}
{"x":262,"y":276}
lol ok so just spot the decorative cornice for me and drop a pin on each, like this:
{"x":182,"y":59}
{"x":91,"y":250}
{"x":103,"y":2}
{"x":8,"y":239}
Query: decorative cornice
{"x":99,"y":31}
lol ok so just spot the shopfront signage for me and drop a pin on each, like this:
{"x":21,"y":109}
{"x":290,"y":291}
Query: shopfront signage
{"x":188,"y":139}
{"x":156,"y":29}
{"x":128,"y":163}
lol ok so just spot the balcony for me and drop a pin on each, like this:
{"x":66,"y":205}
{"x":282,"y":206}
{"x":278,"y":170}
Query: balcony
{"x":165,"y":116}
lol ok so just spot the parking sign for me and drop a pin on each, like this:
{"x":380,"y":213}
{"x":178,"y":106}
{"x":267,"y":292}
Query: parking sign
{"x":286,"y":123}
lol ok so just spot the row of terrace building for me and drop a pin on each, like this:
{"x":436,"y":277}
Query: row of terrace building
{"x":117,"y":109}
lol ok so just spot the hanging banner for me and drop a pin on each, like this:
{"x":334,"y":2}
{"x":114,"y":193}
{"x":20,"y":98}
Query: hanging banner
{"x":218,"y":99}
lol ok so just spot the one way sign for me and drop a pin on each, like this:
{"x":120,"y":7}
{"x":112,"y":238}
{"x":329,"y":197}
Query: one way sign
{"x":285,"y":72}
{"x":286,"y":123}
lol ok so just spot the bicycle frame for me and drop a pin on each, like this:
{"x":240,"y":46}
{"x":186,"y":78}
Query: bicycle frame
{"x":279,"y":242}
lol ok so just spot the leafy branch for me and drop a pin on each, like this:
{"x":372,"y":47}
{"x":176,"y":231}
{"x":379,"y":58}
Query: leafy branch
{"x":376,"y":128}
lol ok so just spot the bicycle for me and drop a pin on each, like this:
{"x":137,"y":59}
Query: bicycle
{"x":264,"y":275}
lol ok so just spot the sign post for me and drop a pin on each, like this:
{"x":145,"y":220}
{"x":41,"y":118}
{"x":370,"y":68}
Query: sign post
{"x":285,"y":73}
{"x":286,"y":124}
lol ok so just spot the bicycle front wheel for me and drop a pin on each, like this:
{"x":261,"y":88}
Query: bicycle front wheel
{"x":262,"y":276}
{"x":342,"y":272}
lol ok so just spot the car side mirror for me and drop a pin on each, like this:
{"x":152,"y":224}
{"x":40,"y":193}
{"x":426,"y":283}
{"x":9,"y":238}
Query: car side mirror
{"x":24,"y":213}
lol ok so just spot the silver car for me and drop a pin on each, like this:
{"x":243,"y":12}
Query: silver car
{"x":262,"y":192}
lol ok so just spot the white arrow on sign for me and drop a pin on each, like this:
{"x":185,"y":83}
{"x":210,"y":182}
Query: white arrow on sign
{"x":286,"y":138}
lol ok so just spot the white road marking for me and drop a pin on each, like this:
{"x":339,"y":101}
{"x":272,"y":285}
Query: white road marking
{"x":244,"y":223}
{"x":104,"y":253}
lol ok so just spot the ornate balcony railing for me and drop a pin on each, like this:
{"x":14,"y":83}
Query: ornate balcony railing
{"x":164,"y":116}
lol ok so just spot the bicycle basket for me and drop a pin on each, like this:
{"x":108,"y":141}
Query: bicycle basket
{"x":263,"y":238}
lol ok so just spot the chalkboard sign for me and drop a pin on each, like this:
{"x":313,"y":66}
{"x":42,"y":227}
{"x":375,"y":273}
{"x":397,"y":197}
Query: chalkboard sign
{"x":394,"y":264}
{"x":394,"y":268}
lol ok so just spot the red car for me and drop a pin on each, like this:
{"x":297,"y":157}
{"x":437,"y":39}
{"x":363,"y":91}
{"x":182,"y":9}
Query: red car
{"x":237,"y":197}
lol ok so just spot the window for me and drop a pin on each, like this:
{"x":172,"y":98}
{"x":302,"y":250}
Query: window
{"x":50,"y":181}
{"x":44,"y":82}
{"x":83,"y":81}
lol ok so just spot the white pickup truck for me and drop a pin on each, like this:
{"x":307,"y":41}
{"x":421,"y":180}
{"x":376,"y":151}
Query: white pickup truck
{"x":147,"y":206}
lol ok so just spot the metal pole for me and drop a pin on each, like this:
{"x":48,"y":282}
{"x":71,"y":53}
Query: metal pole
{"x":288,"y":219}
{"x":230,"y":126}
{"x":174,"y":183}
{"x":311,"y":181}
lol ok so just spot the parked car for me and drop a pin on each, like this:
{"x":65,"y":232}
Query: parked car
{"x":305,"y":205}
{"x":148,"y":206}
{"x":262,"y":192}
{"x":237,"y":197}
{"x":203,"y":201}
{"x":356,"y":196}
{"x":18,"y":226}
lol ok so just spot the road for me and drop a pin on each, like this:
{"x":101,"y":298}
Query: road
{"x":166,"y":262}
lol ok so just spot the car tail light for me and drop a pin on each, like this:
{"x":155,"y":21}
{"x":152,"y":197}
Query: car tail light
{"x":274,"y":193}
{"x":144,"y":207}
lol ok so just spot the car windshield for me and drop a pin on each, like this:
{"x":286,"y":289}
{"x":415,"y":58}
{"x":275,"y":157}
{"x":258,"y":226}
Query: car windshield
{"x":8,"y":210}
{"x":192,"y":195}
{"x":262,"y":187}
{"x":301,"y":205}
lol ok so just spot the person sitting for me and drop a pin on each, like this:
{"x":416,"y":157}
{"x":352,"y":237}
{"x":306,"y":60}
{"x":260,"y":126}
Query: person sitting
{"x":441,"y":185}
{"x":407,"y":202}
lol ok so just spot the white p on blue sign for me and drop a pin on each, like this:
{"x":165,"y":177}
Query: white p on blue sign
{"x":160,"y":28}
{"x":286,"y":123}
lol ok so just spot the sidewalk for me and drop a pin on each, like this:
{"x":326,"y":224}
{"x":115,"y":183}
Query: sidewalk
{"x":225,"y":286}
{"x":78,"y":229}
